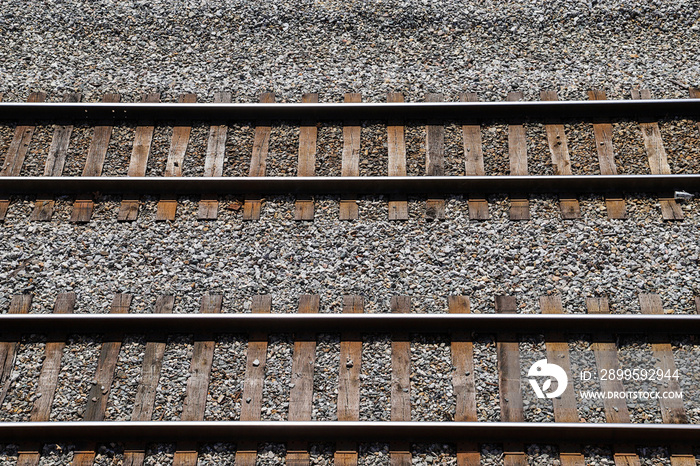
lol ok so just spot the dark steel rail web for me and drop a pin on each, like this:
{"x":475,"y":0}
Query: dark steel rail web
{"x":359,"y":185}
{"x":417,"y":111}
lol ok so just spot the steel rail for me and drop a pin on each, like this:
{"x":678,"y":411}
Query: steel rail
{"x":356,"y":185}
{"x":363,"y":431}
{"x":472,"y":111}
{"x":369,"y":323}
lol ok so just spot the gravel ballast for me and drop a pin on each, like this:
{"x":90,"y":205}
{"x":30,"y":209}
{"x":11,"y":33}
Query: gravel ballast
{"x":21,"y":394}
{"x":398,"y":45}
{"x":289,"y":48}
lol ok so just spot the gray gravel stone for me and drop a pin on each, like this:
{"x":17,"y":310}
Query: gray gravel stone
{"x":375,"y":378}
{"x":488,"y":406}
{"x":119,"y":150}
{"x":170,"y":394}
{"x":196,"y":150}
{"x":77,"y":150}
{"x":270,"y":453}
{"x":635,"y":353}
{"x":159,"y":454}
{"x":160,"y":145}
{"x":239,"y":147}
{"x":37,"y":150}
{"x":432,"y":397}
{"x":21,"y":394}
{"x":404,"y":45}
{"x":278,"y":378}
{"x":227,"y":378}
{"x":327,"y":365}
{"x":109,"y":454}
{"x":628,"y":144}
{"x":583,"y":359}
{"x":429,"y":454}
{"x":78,"y":367}
{"x":127,"y":377}
{"x":532,"y":349}
{"x":56,"y":454}
{"x":218,"y":453}
{"x":373,"y":453}
{"x":8,"y":454}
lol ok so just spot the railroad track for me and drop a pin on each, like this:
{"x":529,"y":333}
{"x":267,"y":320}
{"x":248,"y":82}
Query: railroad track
{"x":435,"y":186}
{"x":463,"y":430}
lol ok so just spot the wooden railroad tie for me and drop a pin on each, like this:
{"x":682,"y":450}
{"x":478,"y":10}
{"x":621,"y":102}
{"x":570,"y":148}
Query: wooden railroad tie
{"x":258,"y":161}
{"x":143,"y":138}
{"x":308,"y":134}
{"x":135,"y":454}
{"x":396,"y":141}
{"x":558,"y":147}
{"x":658,"y":161}
{"x":346,"y":453}
{"x":435,"y":161}
{"x":29,"y":455}
{"x":517,"y":152}
{"x":474,"y":162}
{"x":606,"y":157}
{"x":214,"y":162}
{"x":350,"y":160}
{"x":84,"y":204}
{"x":167,"y":206}
{"x":198,"y":383}
{"x":247,"y":453}
{"x":55,"y":162}
{"x":17,"y":151}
